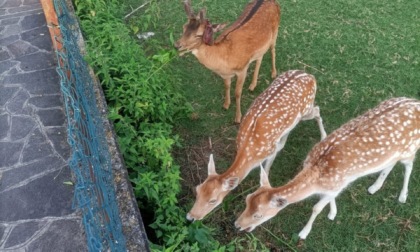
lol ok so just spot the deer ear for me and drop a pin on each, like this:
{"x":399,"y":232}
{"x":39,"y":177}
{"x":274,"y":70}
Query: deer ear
{"x":230,"y":183}
{"x":211,"y":166}
{"x":278,"y":202}
{"x":218,"y":27}
{"x":264,"y":178}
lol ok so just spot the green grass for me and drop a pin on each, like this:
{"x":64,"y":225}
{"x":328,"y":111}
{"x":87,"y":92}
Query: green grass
{"x":361,"y":52}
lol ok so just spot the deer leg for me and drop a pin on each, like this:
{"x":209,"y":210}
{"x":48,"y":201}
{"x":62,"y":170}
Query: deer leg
{"x":273,"y":59}
{"x":227,"y":82}
{"x":268,"y":162}
{"x":238,"y":93}
{"x":408,"y":167}
{"x":255,"y":76}
{"x":281,"y":143}
{"x":279,"y":146}
{"x":333,"y":210}
{"x":315,"y":211}
{"x":314,"y":113}
{"x":380,"y":180}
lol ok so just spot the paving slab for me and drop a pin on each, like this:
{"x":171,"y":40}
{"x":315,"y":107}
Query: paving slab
{"x":36,"y":211}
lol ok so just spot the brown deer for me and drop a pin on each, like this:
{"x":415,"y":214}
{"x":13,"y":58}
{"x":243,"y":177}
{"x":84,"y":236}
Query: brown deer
{"x":371,"y":143}
{"x":262,"y":133}
{"x":245,"y":41}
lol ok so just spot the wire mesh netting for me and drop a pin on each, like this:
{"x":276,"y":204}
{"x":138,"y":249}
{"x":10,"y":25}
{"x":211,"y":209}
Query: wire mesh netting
{"x":90,"y":160}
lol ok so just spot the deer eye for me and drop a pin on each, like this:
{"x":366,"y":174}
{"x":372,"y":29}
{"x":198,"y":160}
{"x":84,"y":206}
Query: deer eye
{"x":258,"y":216}
{"x":212,"y":202}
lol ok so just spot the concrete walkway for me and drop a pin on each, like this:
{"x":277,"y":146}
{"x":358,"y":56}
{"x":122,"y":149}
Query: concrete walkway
{"x":35,"y":204}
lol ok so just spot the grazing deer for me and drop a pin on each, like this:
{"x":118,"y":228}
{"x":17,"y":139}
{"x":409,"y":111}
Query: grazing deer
{"x":262,"y":133}
{"x":371,"y":143}
{"x":245,"y":41}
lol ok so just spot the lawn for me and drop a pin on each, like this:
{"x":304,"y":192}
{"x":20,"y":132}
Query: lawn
{"x":361,"y":53}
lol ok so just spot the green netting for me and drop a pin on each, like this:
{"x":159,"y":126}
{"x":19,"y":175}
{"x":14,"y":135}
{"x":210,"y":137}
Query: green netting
{"x":90,"y":160}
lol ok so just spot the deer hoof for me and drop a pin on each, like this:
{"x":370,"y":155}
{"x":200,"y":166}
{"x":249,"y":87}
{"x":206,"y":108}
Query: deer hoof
{"x":402,"y":198}
{"x":273,"y":74}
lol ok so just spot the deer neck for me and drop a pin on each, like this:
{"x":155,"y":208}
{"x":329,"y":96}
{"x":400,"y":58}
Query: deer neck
{"x":299,"y":188}
{"x":240,"y":167}
{"x":211,"y":56}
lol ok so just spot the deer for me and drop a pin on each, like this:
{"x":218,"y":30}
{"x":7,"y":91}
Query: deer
{"x":371,"y":143}
{"x":261,"y":135}
{"x":245,"y":41}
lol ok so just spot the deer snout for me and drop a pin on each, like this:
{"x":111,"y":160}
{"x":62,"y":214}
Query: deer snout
{"x":190,"y":217}
{"x":238,"y":226}
{"x":179,"y":45}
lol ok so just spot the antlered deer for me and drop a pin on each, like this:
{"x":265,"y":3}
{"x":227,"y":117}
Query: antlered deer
{"x":245,"y":41}
{"x":371,"y":143}
{"x":262,"y":133}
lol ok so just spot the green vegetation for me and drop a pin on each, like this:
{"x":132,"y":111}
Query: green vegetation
{"x":361,"y":52}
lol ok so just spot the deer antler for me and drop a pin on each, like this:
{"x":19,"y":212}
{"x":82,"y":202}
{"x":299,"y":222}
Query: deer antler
{"x":188,"y":10}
